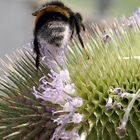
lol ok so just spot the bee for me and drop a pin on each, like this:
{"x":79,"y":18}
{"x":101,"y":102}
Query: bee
{"x":55,"y":24}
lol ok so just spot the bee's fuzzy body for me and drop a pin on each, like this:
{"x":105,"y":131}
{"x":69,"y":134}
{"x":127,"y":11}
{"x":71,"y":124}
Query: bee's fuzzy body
{"x":56,"y":33}
{"x":55,"y":24}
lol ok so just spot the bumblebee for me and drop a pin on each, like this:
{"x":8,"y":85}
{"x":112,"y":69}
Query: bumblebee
{"x":55,"y":24}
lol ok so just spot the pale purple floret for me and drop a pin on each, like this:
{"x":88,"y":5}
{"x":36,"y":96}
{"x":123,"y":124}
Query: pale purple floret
{"x":61,"y":91}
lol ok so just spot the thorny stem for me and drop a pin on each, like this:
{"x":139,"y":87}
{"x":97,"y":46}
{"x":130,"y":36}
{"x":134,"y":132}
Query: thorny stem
{"x":127,"y":112}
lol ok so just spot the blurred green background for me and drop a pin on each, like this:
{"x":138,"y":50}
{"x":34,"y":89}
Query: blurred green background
{"x":115,"y":7}
{"x":16,"y":23}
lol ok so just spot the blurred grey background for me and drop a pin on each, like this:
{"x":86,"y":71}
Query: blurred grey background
{"x":15,"y":24}
{"x":16,"y":20}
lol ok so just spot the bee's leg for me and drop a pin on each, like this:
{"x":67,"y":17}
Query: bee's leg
{"x":37,"y":51}
{"x":78,"y":29}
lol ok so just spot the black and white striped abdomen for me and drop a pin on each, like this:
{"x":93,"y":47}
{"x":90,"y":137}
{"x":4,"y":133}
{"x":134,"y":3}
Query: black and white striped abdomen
{"x":56,"y":33}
